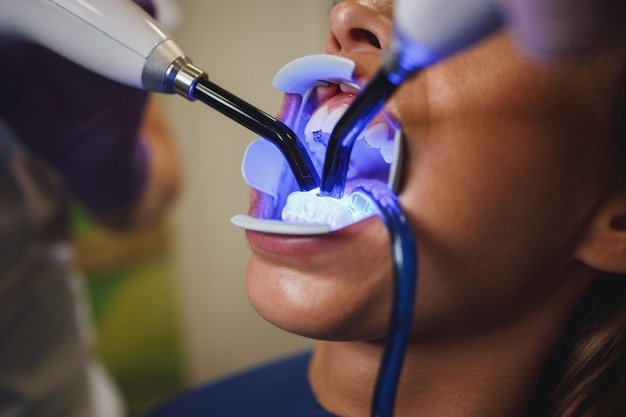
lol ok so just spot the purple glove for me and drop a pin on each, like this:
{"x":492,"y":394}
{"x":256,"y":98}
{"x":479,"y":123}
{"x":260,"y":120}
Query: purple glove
{"x":548,"y":28}
{"x":83,"y":125}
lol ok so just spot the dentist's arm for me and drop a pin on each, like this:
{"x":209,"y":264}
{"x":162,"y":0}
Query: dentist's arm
{"x":426,"y":31}
{"x":554,"y":28}
{"x":109,"y":150}
{"x":163,"y":175}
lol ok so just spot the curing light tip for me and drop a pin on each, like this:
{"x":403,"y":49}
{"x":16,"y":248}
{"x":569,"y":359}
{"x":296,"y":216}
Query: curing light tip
{"x":264,"y":125}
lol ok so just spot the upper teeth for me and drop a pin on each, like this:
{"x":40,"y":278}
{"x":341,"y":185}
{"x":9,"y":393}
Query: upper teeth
{"x":320,"y":126}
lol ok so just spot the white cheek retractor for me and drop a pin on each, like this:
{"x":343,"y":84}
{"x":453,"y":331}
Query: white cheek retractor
{"x":264,"y":167}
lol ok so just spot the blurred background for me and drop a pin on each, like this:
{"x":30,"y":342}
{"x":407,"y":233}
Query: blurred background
{"x":169,"y":303}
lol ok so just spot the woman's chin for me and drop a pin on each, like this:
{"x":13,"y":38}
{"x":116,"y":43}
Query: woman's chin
{"x":320,"y":306}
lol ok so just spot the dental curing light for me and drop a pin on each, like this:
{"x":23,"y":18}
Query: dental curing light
{"x":118,"y":40}
{"x":264,"y":125}
{"x":425,"y":32}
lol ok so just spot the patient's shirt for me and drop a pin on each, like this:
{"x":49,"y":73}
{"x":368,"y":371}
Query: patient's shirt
{"x":279,"y":389}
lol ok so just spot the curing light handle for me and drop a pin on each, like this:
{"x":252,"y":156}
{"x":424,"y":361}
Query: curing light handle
{"x":427,"y":31}
{"x":114,"y":38}
{"x":119,"y":40}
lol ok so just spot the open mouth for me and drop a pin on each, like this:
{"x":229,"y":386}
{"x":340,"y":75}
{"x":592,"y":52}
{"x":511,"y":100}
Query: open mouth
{"x":318,"y":90}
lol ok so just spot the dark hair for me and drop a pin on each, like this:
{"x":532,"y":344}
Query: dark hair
{"x":587,"y":374}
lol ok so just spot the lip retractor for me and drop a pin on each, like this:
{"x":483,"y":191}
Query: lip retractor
{"x":308,"y":213}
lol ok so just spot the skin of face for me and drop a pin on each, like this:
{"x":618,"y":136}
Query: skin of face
{"x":499,"y":183}
{"x":506,"y":164}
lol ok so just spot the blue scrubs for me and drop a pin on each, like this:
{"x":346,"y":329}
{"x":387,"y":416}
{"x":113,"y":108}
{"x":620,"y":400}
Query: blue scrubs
{"x":279,"y":389}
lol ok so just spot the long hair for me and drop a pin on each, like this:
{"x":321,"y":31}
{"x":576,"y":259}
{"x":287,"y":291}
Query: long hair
{"x":587,"y":374}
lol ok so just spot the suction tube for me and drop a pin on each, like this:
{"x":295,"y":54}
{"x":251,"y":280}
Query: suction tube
{"x":425,"y":32}
{"x":263,"y":124}
{"x":404,"y":254}
{"x":362,"y":110}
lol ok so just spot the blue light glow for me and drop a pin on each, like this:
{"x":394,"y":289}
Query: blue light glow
{"x":318,"y":95}
{"x":308,"y":207}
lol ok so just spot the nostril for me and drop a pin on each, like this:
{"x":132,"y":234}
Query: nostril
{"x":362,"y":35}
{"x":357,"y":26}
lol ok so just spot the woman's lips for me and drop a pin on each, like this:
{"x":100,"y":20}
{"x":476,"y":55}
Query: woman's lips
{"x":303,"y":248}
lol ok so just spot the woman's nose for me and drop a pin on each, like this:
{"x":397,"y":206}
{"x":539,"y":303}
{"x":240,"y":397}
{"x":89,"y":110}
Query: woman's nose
{"x":355,"y":26}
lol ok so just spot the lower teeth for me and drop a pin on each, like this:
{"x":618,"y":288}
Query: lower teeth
{"x":307,"y":207}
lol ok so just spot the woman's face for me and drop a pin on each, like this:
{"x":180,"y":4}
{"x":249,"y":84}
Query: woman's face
{"x":504,"y":162}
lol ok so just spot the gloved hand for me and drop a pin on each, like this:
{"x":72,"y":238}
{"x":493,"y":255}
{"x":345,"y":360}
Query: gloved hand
{"x":552,"y":28}
{"x":83,"y":125}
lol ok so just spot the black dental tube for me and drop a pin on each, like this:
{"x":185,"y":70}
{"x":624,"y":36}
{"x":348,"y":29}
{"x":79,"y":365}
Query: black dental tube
{"x":350,"y":125}
{"x":362,"y":110}
{"x":409,"y":51}
{"x":393,"y":72}
{"x":264,"y":125}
